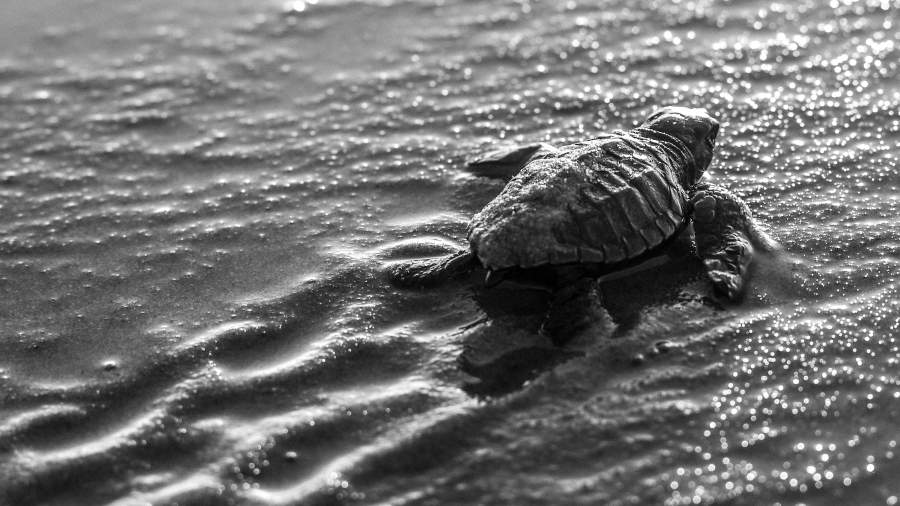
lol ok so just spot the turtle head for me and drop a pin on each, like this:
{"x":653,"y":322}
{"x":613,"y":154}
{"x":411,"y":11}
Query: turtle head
{"x":696,"y":129}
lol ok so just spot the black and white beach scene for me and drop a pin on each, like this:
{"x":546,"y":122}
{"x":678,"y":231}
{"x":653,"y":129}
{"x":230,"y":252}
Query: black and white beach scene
{"x":449,"y":252}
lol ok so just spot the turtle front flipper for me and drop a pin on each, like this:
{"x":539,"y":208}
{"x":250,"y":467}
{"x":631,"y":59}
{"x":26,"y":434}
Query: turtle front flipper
{"x":505,"y":163}
{"x":727,"y":265}
{"x":727,"y":238}
{"x":428,"y":272}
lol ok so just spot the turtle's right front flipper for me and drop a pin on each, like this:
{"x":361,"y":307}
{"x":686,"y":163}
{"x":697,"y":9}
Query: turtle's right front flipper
{"x":728,"y":264}
{"x":429,"y":272}
{"x":727,"y":238}
{"x":505,"y":163}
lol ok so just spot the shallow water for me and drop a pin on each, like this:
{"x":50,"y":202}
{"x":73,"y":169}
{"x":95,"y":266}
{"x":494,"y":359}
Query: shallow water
{"x":198,"y":199}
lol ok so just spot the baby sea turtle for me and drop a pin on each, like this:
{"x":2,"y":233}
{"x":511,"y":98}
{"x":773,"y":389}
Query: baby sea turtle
{"x":572,"y":214}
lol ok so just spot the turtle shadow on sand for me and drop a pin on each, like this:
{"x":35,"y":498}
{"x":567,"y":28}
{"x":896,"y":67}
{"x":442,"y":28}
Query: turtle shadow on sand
{"x":505,"y":349}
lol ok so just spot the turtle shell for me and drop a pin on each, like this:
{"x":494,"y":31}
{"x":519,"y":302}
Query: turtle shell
{"x":601,"y":201}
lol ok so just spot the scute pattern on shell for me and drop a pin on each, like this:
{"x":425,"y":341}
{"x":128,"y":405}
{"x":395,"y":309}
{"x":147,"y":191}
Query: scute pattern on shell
{"x":600,"y":201}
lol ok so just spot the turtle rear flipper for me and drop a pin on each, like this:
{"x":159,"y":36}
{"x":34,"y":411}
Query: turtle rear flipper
{"x":428,"y":272}
{"x":727,"y":238}
{"x":573,"y":308}
{"x":505,"y":163}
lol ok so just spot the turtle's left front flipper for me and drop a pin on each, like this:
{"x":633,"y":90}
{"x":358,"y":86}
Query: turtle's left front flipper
{"x":727,"y":238}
